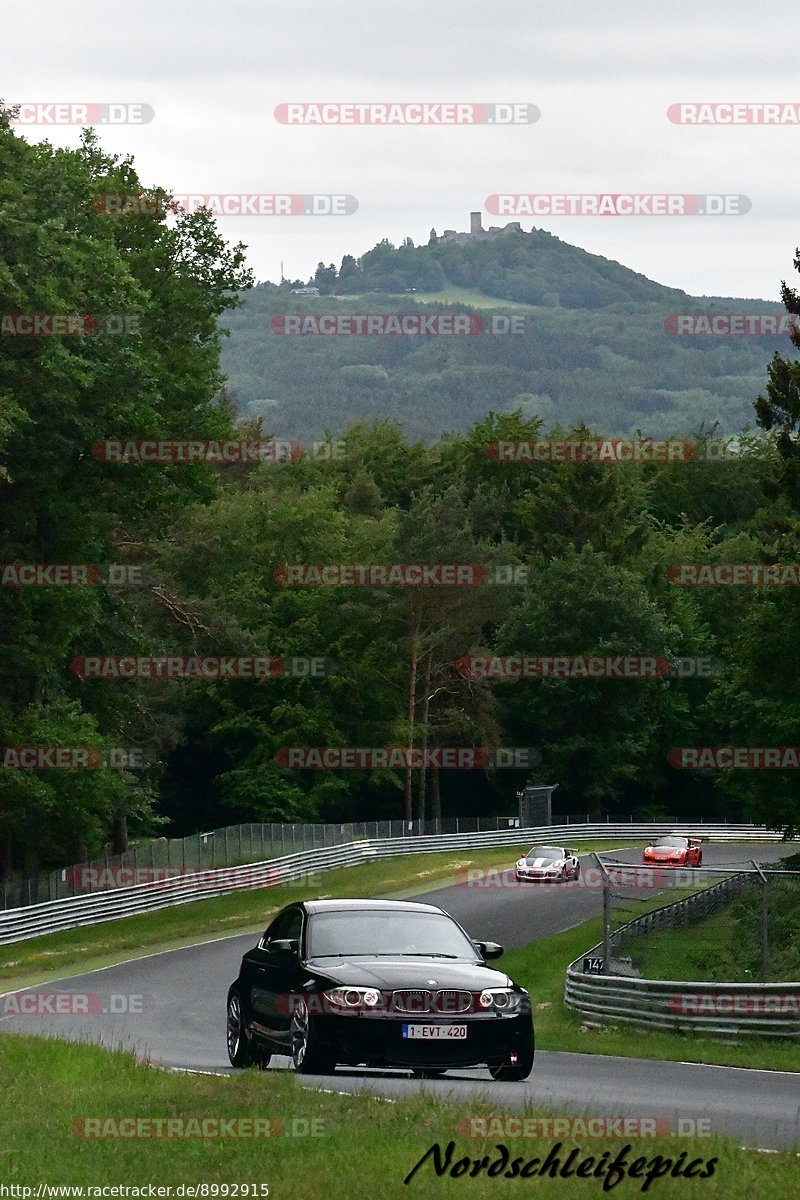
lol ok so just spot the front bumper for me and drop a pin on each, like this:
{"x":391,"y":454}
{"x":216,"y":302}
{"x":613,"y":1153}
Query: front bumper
{"x":379,"y":1041}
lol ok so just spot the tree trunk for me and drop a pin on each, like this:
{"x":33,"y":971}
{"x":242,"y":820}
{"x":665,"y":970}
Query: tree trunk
{"x":426,"y":704}
{"x":412,"y":707}
{"x":119,"y":833}
{"x":7,"y":851}
{"x":436,"y":800}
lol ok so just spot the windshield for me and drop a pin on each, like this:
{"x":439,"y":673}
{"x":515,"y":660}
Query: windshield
{"x":548,"y":853}
{"x":671,"y":843}
{"x":386,"y":933}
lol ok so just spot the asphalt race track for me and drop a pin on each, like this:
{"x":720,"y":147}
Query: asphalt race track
{"x":170,"y":1008}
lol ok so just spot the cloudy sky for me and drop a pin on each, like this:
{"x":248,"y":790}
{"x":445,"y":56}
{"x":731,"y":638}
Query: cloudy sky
{"x":602,"y":73}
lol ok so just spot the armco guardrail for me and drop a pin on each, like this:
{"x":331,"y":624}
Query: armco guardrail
{"x":679,"y":1005}
{"x":234,"y":846}
{"x":18,"y":924}
{"x":717,"y":1008}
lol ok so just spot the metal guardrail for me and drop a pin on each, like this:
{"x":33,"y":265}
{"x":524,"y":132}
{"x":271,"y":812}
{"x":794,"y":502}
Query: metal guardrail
{"x":19,"y":924}
{"x":234,"y":846}
{"x":680,"y":1006}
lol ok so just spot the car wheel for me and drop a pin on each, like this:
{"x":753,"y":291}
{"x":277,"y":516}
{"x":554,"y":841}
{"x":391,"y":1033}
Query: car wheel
{"x":577,"y":870}
{"x":514,"y":1067}
{"x":308,"y":1056}
{"x":239,"y":1050}
{"x":563,"y":876}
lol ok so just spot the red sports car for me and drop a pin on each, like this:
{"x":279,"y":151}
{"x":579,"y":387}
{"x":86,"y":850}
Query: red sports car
{"x":674,"y":851}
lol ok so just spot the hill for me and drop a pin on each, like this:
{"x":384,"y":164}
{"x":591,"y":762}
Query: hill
{"x":595,"y":344}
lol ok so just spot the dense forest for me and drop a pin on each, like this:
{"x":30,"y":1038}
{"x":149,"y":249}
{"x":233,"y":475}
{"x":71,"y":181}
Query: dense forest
{"x":211,"y":542}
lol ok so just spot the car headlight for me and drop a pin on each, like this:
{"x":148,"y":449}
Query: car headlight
{"x":353,"y":997}
{"x":499,"y":999}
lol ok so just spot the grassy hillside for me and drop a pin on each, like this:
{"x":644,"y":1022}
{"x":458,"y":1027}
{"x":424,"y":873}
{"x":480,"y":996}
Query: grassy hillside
{"x":594,"y":347}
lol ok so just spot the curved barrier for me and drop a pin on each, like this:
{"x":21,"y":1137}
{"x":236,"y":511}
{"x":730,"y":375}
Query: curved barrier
{"x":678,"y":1005}
{"x":18,"y":924}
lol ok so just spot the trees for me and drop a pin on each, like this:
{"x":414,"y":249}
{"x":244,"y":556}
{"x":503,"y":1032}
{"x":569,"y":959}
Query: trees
{"x":779,"y":410}
{"x":58,"y":396}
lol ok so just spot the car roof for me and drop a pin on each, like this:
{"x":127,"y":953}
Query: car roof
{"x":361,"y":905}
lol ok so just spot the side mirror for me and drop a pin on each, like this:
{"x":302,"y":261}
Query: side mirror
{"x":489,"y":950}
{"x":284,"y":947}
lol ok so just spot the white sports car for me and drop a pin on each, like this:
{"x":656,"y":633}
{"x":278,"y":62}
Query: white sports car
{"x":555,"y":864}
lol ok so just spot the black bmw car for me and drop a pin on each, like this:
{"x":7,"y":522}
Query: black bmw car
{"x":380,"y":983}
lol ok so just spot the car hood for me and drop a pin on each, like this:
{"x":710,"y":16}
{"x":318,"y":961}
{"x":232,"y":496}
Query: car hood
{"x":398,"y":973}
{"x":539,"y":863}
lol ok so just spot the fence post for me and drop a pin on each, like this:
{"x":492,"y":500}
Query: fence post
{"x":764,"y":922}
{"x":606,"y":917}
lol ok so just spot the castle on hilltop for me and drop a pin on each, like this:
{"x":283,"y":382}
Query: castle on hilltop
{"x":476,"y":231}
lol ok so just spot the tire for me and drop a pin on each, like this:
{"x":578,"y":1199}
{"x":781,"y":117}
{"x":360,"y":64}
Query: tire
{"x":577,"y":871}
{"x":308,"y":1056}
{"x":507,"y":1071}
{"x":240,"y":1051}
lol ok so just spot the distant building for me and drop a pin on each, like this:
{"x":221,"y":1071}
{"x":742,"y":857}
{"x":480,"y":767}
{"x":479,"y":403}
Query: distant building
{"x":305,"y":291}
{"x":476,"y":231}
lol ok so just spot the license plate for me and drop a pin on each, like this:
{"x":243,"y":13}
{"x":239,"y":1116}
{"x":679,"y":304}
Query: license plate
{"x":435,"y":1032}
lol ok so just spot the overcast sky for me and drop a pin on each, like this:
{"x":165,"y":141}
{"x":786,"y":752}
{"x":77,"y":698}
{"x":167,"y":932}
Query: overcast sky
{"x":602,"y":73}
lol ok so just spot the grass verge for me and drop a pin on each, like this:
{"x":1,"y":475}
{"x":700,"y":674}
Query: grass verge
{"x":361,"y":1144}
{"x":540,"y":967}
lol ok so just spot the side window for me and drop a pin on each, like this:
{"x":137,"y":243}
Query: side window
{"x":288,"y":924}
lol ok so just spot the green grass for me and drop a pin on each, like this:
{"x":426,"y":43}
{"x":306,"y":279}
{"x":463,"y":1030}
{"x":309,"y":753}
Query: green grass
{"x":540,"y":967}
{"x":727,"y":944}
{"x":453,"y":294}
{"x":363,"y":1145}
{"x":77,"y":950}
